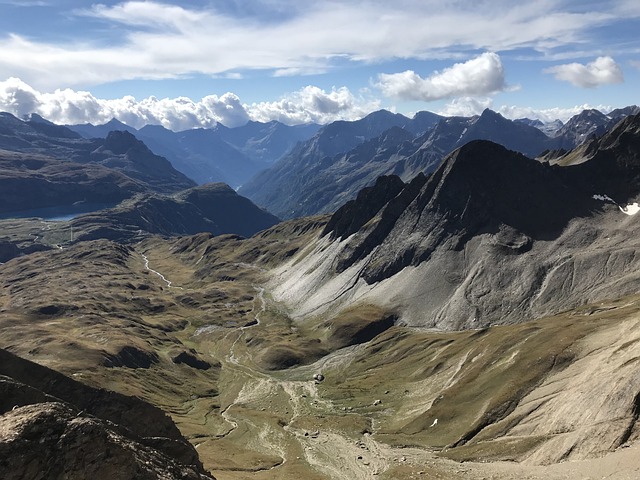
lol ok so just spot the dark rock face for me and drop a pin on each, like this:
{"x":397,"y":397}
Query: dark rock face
{"x":52,"y":427}
{"x":351,"y":217}
{"x":480,"y":188}
{"x":609,"y":165}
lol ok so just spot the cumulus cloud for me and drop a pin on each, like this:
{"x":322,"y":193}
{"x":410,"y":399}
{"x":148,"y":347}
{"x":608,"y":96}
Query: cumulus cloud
{"x":602,"y":71}
{"x":482,"y":75}
{"x":310,"y":104}
{"x":314,"y":105}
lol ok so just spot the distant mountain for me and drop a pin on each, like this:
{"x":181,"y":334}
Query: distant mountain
{"x":265,"y":143}
{"x":284,"y":187}
{"x":220,"y":154}
{"x":580,"y":127}
{"x":313,"y":178}
{"x":30,"y":181}
{"x":120,"y":151}
{"x":214,"y":208}
{"x":549,"y":128}
{"x":589,"y":123}
{"x":610,"y":165}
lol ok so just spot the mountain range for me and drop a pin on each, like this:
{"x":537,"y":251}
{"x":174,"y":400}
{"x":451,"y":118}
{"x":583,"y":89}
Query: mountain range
{"x":220,"y":154}
{"x":321,"y":174}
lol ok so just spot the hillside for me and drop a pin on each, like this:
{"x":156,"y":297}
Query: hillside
{"x":119,"y":151}
{"x":215,"y":208}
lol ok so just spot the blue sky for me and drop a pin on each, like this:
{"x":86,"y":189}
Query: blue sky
{"x":194,"y":63}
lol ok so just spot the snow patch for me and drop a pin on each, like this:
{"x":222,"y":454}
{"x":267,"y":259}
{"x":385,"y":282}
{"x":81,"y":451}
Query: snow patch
{"x":630,"y":209}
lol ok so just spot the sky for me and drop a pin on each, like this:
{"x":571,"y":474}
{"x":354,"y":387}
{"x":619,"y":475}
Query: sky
{"x":195,"y":63}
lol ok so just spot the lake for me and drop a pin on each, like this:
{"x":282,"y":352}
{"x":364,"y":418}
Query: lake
{"x":60,"y":213}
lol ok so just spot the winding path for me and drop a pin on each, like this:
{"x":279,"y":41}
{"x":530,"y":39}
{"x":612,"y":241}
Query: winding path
{"x":146,"y":266}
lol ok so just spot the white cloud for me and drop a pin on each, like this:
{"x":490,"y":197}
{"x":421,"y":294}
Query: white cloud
{"x":314,"y":105}
{"x":154,"y":40}
{"x":466,"y":107}
{"x":548,"y":114}
{"x":482,"y":75}
{"x":310,"y":104}
{"x":602,"y":71}
{"x":469,"y":106}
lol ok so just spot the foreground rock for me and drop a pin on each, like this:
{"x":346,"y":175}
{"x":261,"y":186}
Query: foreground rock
{"x":52,"y":440}
{"x":54,"y":427}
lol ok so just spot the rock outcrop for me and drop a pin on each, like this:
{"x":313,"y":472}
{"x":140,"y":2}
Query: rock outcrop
{"x":53,"y":427}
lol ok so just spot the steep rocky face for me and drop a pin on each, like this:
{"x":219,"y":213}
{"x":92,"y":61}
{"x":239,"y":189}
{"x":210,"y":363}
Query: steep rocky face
{"x":478,"y":189}
{"x":54,"y":427}
{"x":609,"y":165}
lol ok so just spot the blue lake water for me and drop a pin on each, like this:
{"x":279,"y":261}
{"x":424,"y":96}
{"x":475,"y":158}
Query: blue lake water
{"x":62,"y":213}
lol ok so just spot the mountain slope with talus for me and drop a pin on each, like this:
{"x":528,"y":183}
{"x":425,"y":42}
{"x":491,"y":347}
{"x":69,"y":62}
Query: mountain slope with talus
{"x":490,"y":237}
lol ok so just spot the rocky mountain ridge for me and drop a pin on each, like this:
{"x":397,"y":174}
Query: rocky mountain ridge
{"x":329,"y":169}
{"x":509,"y":234}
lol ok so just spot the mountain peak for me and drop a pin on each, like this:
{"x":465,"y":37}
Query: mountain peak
{"x":121,"y":141}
